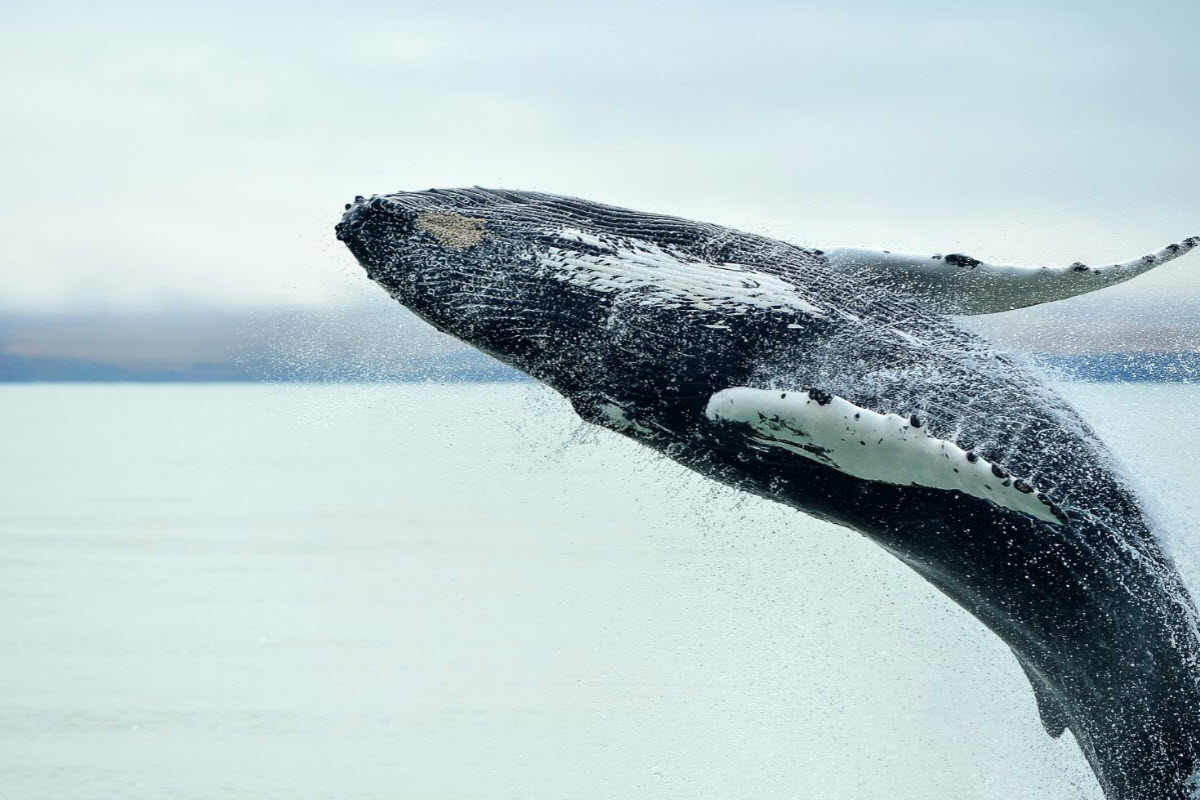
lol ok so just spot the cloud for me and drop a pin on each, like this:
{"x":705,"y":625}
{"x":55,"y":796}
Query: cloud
{"x":197,"y":155}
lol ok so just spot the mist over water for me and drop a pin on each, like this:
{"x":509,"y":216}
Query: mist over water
{"x":1149,"y":431}
{"x":463,"y":592}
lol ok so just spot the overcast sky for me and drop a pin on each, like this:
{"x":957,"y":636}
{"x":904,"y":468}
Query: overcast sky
{"x":160,"y":155}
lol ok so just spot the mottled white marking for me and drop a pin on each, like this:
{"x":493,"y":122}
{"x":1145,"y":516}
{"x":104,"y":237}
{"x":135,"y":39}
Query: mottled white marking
{"x":670,"y":278}
{"x":868,"y":445}
{"x":956,"y":284}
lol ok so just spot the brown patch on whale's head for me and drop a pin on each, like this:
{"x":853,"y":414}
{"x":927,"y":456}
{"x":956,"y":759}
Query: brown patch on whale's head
{"x":451,"y":229}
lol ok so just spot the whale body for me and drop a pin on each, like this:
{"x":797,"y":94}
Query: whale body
{"x":835,"y":382}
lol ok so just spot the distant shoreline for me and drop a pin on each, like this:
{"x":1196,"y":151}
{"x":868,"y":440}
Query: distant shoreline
{"x":469,"y":366}
{"x":380,"y":343}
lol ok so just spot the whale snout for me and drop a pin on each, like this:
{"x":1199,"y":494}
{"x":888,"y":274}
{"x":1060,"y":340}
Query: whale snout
{"x":375,"y":230}
{"x":355,"y":223}
{"x":406,"y":230}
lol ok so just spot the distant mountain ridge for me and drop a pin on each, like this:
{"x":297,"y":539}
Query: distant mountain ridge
{"x":381,"y":343}
{"x":470,"y":366}
{"x":464,"y":366}
{"x":1144,"y":367}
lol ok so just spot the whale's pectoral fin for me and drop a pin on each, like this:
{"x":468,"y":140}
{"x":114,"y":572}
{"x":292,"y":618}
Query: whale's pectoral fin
{"x":872,"y":446}
{"x":1053,"y":718}
{"x":958,"y":284}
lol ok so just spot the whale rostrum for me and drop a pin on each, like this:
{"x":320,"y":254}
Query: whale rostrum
{"x":839,"y":383}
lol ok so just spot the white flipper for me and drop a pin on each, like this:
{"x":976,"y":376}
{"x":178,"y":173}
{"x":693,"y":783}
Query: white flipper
{"x":872,"y":446}
{"x":958,"y":284}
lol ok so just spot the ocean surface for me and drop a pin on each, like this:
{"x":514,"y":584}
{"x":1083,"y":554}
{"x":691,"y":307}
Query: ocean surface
{"x":462,"y":592}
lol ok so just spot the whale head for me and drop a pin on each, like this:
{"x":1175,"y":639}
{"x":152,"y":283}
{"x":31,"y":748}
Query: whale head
{"x":589,"y":299}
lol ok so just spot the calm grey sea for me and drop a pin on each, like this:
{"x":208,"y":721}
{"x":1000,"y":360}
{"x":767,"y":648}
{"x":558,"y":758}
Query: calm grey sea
{"x":460,"y":592}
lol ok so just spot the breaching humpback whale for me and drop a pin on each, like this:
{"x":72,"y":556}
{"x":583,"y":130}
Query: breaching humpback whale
{"x":838,"y":383}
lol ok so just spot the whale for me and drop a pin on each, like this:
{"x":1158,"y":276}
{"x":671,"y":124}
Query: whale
{"x":842,"y":383}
